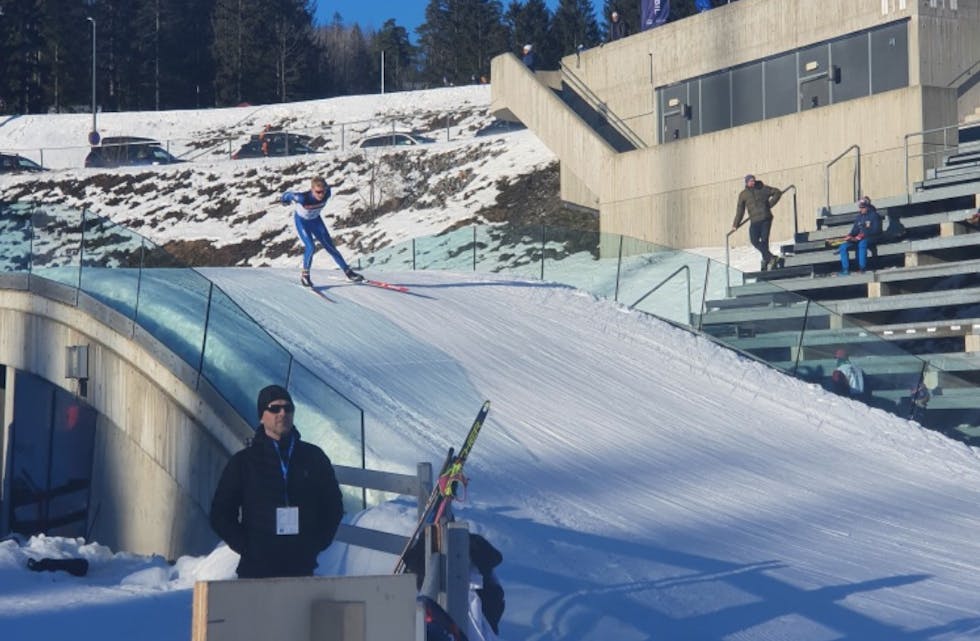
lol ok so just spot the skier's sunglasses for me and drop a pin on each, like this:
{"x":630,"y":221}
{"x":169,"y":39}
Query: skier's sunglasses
{"x":289,"y":408}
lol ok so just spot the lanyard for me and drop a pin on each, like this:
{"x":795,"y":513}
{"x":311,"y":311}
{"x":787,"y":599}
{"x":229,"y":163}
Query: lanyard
{"x":284,"y":465}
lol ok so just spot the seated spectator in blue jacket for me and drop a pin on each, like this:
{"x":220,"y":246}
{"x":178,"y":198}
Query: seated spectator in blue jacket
{"x":865,"y":233}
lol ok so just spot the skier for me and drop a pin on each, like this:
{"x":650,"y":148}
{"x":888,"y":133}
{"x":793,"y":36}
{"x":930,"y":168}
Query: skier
{"x":311,"y":227}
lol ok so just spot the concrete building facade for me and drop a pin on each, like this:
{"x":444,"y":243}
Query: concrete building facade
{"x":680,"y":190}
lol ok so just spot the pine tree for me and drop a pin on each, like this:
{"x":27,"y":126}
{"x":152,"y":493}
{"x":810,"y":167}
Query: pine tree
{"x":574,"y":25}
{"x":530,"y":23}
{"x":20,"y":65}
{"x":399,"y":55}
{"x":459,"y":38}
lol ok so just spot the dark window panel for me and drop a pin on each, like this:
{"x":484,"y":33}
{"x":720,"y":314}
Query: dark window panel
{"x":890,"y":58}
{"x":850,"y":56}
{"x":716,"y":100}
{"x":747,"y":98}
{"x":781,"y":92}
{"x":813,"y":70}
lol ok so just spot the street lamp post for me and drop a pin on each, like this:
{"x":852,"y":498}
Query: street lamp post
{"x":93,"y":137}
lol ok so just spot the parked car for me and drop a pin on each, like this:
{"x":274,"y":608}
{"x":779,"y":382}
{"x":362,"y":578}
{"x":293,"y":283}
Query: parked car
{"x":121,"y":151}
{"x":15,"y":164}
{"x":500,"y":127}
{"x":275,"y":143}
{"x":395,"y":138}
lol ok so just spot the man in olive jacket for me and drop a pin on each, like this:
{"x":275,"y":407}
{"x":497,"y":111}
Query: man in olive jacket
{"x":278,"y":503}
{"x":758,"y":199}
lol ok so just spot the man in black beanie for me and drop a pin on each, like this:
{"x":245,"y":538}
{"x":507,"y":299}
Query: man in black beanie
{"x":278,"y":503}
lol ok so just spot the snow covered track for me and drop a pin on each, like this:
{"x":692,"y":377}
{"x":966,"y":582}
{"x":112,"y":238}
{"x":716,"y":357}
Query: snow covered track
{"x":642,"y":481}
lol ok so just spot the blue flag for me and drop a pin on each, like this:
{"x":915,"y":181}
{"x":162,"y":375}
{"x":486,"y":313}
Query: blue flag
{"x":653,"y":13}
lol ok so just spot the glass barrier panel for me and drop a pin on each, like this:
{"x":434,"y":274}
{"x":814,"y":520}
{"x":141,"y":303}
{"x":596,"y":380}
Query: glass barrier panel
{"x":16,"y":232}
{"x":398,"y":257}
{"x":577,"y":258}
{"x":240,"y":358}
{"x":951,"y":402}
{"x":326,"y":418}
{"x":110,"y":264}
{"x":660,"y":281}
{"x":852,"y":360}
{"x":773,"y":336}
{"x":173,"y":304}
{"x":452,"y":251}
{"x":56,"y":244}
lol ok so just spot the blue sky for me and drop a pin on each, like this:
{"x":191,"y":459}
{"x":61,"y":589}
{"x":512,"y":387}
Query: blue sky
{"x":407,"y":13}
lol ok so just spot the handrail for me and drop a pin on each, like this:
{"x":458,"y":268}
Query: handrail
{"x":969,"y":71}
{"x":728,"y":259}
{"x":796,"y":220}
{"x":601,"y":107}
{"x":924,"y":132}
{"x":857,"y":174}
{"x":683,"y":268}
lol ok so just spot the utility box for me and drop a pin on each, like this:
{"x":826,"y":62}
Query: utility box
{"x":354,"y":608}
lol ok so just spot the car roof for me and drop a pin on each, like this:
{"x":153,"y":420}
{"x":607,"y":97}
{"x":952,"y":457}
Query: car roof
{"x":122,"y":140}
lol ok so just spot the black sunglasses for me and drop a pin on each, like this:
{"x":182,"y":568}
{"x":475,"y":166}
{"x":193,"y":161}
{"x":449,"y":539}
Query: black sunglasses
{"x":289,"y":408}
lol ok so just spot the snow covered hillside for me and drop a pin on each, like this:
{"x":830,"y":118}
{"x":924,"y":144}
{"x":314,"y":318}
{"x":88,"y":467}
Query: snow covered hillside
{"x":218,"y":211}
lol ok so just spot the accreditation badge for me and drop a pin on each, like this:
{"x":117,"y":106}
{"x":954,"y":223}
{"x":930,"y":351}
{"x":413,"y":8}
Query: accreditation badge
{"x":287,"y":520}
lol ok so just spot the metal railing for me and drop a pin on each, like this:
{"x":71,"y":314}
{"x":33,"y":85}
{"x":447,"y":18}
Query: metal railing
{"x":329,"y":137}
{"x":857,"y":174}
{"x":944,"y":147}
{"x":600,"y":107}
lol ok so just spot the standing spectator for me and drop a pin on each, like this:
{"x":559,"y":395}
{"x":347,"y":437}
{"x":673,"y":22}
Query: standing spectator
{"x":863,"y":235}
{"x":528,"y":58}
{"x":847,"y":378}
{"x":311,"y":227}
{"x":758,"y":199}
{"x":278,"y":503}
{"x":617,"y":28}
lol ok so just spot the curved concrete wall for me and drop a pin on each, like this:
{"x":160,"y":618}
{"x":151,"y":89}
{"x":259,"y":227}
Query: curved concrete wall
{"x":682,"y":194}
{"x":161,"y":439}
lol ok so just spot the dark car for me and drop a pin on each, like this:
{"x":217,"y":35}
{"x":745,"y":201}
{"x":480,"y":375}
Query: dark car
{"x":275,"y":143}
{"x":15,"y":164}
{"x":395,"y":138}
{"x":122,"y":151}
{"x":500,"y":127}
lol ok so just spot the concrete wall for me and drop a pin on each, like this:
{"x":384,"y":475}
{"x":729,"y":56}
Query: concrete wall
{"x":682,"y":194}
{"x":160,"y":445}
{"x":353,"y":608}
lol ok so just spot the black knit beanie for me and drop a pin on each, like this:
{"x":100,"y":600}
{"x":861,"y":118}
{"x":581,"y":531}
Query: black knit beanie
{"x":272,"y":393}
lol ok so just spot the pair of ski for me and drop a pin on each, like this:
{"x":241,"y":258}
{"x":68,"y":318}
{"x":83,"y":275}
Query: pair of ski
{"x":447,"y":485}
{"x":368,"y":282}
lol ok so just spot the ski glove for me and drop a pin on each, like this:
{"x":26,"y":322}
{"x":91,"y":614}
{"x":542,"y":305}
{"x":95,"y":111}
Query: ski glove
{"x":286,"y":198}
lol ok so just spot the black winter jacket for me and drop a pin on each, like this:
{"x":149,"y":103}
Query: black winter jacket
{"x":759,"y":202}
{"x":253,"y":482}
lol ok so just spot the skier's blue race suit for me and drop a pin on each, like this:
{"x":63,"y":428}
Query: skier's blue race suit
{"x":310,"y":226}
